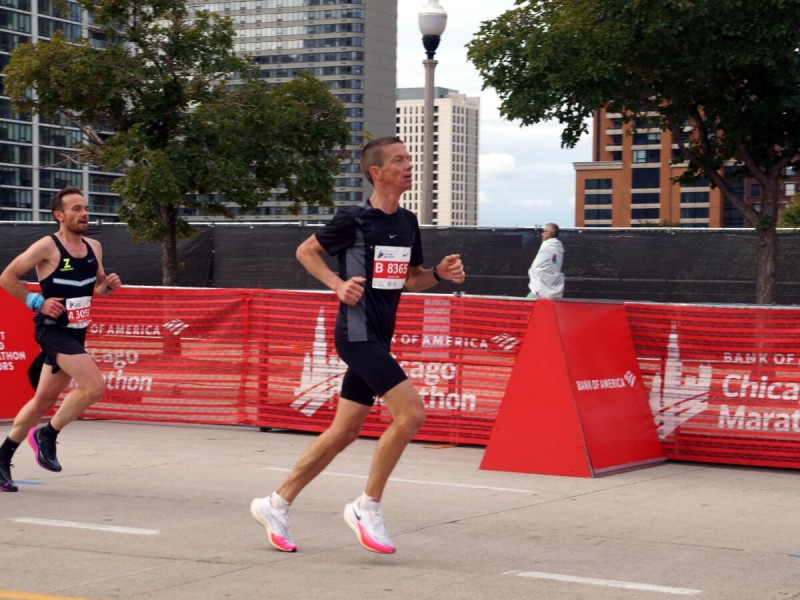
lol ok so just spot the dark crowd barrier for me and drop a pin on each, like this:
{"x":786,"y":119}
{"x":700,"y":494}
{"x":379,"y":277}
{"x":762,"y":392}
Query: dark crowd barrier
{"x":657,"y":265}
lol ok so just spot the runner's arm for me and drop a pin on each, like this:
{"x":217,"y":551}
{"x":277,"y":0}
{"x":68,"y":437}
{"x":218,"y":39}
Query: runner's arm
{"x":105,"y":284}
{"x":11,"y":278}
{"x":309,"y":254}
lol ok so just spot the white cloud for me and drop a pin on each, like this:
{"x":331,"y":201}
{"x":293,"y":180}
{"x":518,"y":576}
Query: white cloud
{"x":526,"y":178}
{"x":540,"y":170}
{"x":496,"y":164}
{"x":533,"y":203}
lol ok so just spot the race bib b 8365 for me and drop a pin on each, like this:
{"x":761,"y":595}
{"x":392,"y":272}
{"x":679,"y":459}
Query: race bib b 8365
{"x":390,"y":267}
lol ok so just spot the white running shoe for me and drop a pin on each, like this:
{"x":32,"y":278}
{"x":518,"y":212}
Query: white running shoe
{"x":276,"y":523}
{"x":369,"y":527}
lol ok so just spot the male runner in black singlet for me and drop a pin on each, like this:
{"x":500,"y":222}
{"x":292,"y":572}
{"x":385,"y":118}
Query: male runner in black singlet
{"x":379,"y":251}
{"x":69,"y":268}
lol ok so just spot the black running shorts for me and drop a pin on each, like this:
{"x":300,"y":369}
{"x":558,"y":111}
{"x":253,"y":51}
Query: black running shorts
{"x":59,"y":340}
{"x":371,"y":371}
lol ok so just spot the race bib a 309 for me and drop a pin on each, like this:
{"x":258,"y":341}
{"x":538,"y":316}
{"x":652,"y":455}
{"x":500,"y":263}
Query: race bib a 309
{"x":390,"y":267}
{"x":78,"y":312}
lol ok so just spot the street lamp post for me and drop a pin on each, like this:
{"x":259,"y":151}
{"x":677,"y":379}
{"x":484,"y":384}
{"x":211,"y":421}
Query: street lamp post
{"x":432,"y":21}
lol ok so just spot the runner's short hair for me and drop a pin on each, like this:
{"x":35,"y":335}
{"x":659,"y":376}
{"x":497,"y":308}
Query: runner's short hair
{"x":372,"y":154}
{"x":57,"y":203}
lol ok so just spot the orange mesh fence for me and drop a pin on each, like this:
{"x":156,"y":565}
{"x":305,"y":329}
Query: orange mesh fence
{"x":723,"y":382}
{"x":266,"y":358}
{"x":177,"y":355}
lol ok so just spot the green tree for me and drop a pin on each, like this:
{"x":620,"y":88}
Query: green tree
{"x":729,"y":70}
{"x":154,"y":102}
{"x":790,"y":216}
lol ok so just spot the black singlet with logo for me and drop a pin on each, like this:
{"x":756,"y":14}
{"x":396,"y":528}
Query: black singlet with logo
{"x":72,"y":278}
{"x":380,"y":247}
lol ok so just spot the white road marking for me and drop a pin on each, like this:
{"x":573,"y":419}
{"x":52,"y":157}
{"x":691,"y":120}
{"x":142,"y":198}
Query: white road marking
{"x":628,"y":585}
{"x":92,"y":526}
{"x":466,"y":486}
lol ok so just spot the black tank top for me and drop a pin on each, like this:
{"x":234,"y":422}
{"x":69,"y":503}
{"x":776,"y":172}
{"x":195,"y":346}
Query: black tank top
{"x":73,"y":280}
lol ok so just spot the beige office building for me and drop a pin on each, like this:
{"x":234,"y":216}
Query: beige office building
{"x":455,"y":152}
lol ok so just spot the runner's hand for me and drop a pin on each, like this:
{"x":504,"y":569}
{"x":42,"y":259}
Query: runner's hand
{"x":350,"y":291}
{"x":53,"y":307}
{"x":113,"y":282}
{"x":451,"y":268}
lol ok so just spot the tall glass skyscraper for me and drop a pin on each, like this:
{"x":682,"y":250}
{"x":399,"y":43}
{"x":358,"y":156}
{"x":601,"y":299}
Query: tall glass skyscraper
{"x":350,"y":45}
{"x":39,"y":158}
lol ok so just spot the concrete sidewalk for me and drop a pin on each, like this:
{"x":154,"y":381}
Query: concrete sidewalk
{"x":162,"y":512}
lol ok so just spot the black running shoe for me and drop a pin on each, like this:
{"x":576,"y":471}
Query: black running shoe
{"x":6,"y":483}
{"x":44,"y":449}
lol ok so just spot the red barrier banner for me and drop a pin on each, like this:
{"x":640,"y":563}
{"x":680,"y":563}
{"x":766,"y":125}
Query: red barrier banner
{"x":17,"y":350}
{"x":180,"y":355}
{"x":723,"y":383}
{"x":459,"y":352}
{"x":266,"y":358}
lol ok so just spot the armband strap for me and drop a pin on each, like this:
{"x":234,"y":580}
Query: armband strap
{"x":436,"y":275}
{"x":34,"y":301}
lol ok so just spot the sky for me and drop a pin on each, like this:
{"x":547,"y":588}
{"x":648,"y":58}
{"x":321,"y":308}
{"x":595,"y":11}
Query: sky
{"x":526,"y":179}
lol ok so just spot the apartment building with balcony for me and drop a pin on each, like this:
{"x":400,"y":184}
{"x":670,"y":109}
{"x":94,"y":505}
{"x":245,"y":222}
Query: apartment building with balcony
{"x":631,"y":182}
{"x":38,"y":158}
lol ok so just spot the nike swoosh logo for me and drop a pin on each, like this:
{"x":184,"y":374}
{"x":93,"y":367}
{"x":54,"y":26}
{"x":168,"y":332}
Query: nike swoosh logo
{"x":391,"y":237}
{"x":355,"y":512}
{"x":90,"y":260}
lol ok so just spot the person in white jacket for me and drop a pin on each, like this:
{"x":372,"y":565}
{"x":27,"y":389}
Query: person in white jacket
{"x":546,"y":278}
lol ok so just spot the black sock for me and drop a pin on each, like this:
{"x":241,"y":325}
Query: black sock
{"x":49,"y":431}
{"x":7,"y":449}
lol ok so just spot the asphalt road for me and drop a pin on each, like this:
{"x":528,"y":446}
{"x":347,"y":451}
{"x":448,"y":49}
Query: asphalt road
{"x":162,"y":512}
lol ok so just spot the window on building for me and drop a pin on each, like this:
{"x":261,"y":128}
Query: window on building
{"x":701,"y":182}
{"x":645,"y":213}
{"x":15,"y":215}
{"x":597,"y":214}
{"x":597,"y":184}
{"x":59,"y":179}
{"x":694,"y":197}
{"x":18,"y":155}
{"x":15,"y":132}
{"x":9,"y":41}
{"x":14,"y":198}
{"x":597,"y":199}
{"x":15,"y":21}
{"x":646,"y":156}
{"x":645,"y":178}
{"x":694,"y":213}
{"x":18,"y":4}
{"x":646,"y":139}
{"x":645,"y":198}
{"x":16,"y":176}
